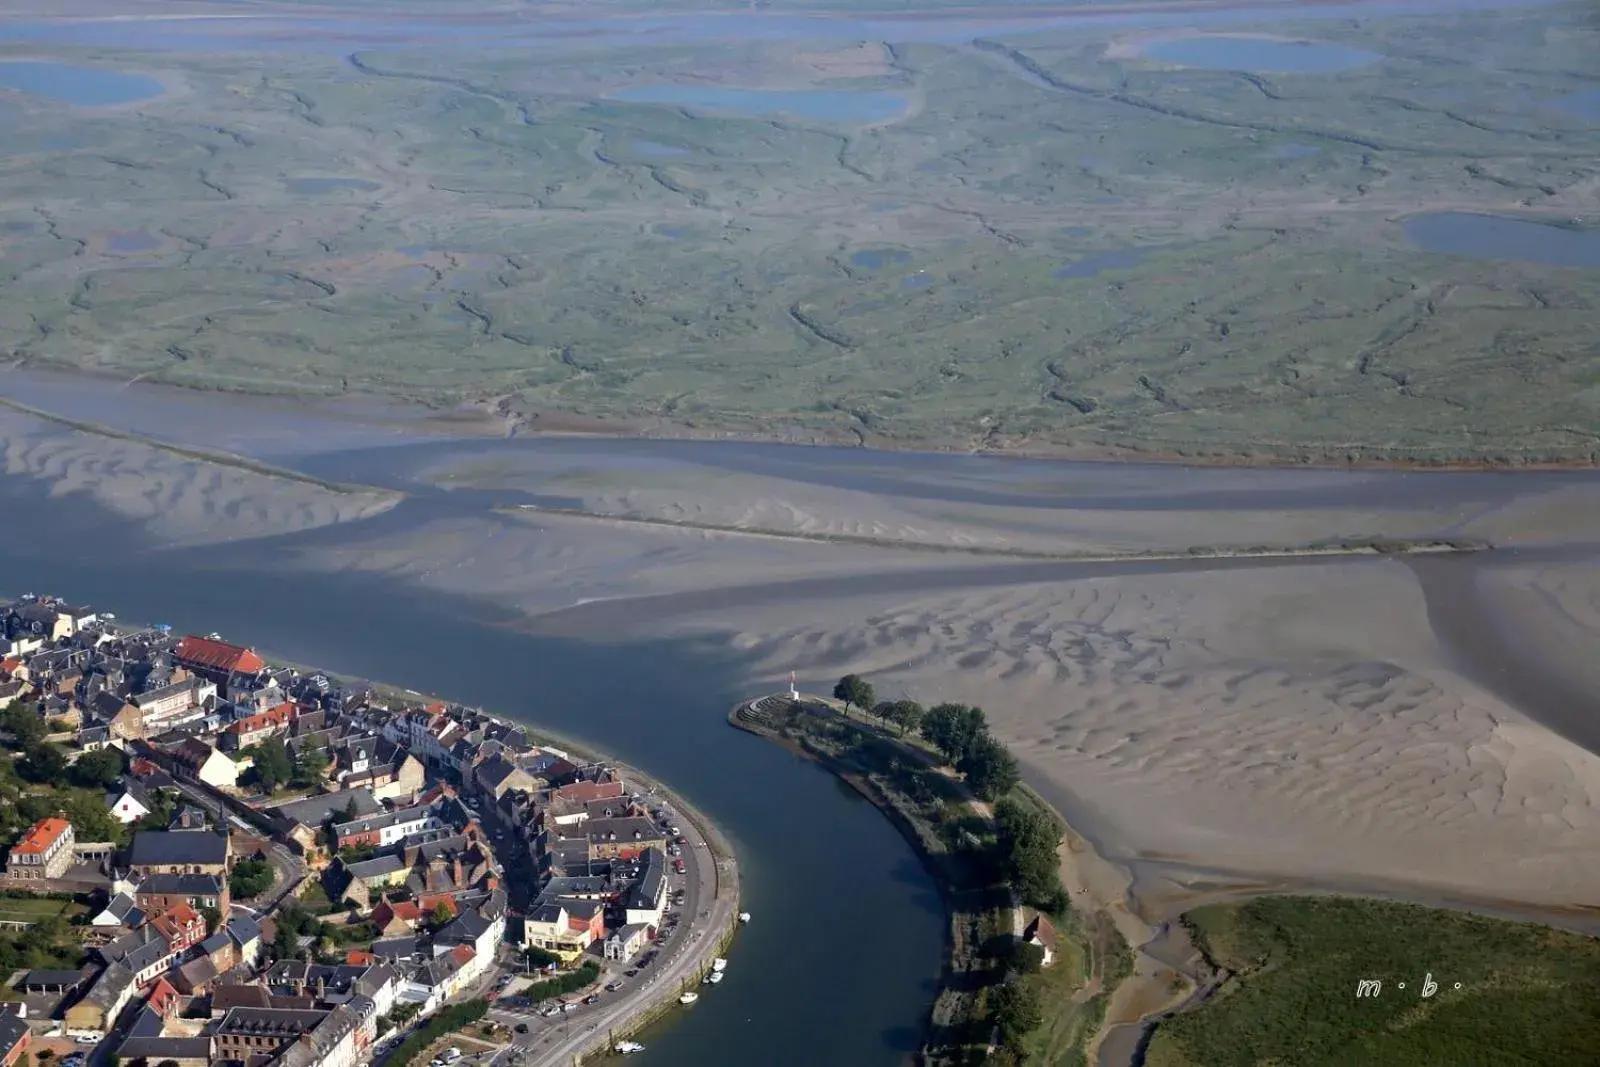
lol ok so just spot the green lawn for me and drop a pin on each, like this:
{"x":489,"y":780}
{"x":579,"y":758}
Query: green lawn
{"x":32,"y":909}
{"x":1506,"y":993}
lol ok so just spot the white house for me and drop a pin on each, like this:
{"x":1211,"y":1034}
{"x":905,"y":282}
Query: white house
{"x":125,"y":805}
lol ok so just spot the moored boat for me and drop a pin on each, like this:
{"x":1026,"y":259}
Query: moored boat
{"x":626,"y":1047}
{"x":688,"y":998}
{"x":719,"y":965}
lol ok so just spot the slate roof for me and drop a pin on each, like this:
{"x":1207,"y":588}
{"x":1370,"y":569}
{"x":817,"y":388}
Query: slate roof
{"x":189,"y":885}
{"x":314,"y":811}
{"x":161,"y":848}
{"x":109,"y":987}
{"x":156,"y":1049}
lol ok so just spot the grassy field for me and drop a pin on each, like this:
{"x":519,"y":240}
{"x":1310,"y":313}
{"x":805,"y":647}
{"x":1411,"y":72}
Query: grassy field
{"x":32,"y":909}
{"x":1056,"y":244}
{"x":1506,"y":993}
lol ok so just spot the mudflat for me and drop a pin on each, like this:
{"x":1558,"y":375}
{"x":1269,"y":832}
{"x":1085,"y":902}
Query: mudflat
{"x":1365,"y":722}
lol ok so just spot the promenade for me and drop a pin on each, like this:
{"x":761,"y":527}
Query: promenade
{"x":709,"y":913}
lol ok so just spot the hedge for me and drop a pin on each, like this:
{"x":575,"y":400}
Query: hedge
{"x":448,"y":1019}
{"x":566,"y":983}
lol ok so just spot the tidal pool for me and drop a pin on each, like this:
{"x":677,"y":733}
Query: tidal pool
{"x":878,"y":258}
{"x":72,"y":84}
{"x":1585,"y":104}
{"x":1496,"y":237}
{"x":828,"y":105}
{"x":1257,"y":53}
{"x":1291,"y":150}
{"x":1116,"y":259}
{"x":328,"y":185}
{"x":131,"y":241}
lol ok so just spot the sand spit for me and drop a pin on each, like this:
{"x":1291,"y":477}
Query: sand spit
{"x":1295,"y":722}
{"x":181,"y":500}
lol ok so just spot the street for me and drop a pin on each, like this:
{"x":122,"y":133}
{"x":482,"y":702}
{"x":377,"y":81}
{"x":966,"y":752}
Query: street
{"x":677,"y":961}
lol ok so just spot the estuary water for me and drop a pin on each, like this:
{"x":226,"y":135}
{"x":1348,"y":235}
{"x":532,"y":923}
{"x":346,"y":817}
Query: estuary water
{"x":842,"y":958}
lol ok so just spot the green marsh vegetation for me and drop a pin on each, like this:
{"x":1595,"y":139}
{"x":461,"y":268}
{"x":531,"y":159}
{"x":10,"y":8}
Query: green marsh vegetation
{"x":1050,"y":248}
{"x":1527,"y":995}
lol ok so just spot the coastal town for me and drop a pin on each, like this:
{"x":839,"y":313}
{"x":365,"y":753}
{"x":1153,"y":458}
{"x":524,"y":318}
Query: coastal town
{"x":218,"y":860}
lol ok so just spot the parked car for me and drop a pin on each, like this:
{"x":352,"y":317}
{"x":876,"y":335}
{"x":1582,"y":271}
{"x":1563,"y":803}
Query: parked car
{"x":631,"y":972}
{"x":612,"y":987}
{"x":522,"y":1028}
{"x":592,"y":998}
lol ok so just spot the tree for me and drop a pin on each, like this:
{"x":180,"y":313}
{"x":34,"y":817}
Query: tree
{"x":906,"y":714}
{"x":991,"y":771}
{"x":441,"y":914}
{"x":1017,"y":1012}
{"x":272,"y":764}
{"x":43,"y":763}
{"x":250,"y":878}
{"x":352,"y":811}
{"x":854,"y":691}
{"x":310,"y":763}
{"x":213,"y":919}
{"x":23,"y":724}
{"x":1028,"y":844}
{"x":97,"y":769}
{"x":91,"y":819}
{"x":951,"y":728}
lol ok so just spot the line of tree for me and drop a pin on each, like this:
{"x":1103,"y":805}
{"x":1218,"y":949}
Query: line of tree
{"x":959,"y":733}
{"x":450,"y":1018}
{"x":563,"y":984}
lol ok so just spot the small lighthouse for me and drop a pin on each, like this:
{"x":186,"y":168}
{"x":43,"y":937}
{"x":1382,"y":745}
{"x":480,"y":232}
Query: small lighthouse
{"x":794,"y":694}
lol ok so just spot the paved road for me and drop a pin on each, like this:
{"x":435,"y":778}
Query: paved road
{"x":287,"y":868}
{"x":678,"y":961}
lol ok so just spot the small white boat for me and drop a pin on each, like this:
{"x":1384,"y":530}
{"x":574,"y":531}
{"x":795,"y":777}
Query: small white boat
{"x":744,"y":916}
{"x":688,"y":998}
{"x":714,"y":977}
{"x":719,"y":965}
{"x":626,"y":1047}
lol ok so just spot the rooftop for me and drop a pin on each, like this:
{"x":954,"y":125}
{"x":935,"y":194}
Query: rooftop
{"x":41,"y":836}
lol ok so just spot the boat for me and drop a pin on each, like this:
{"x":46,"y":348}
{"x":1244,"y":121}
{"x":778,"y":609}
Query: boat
{"x":714,"y":977}
{"x":719,"y":965}
{"x":626,"y":1047}
{"x":744,"y":916}
{"x":688,"y":998}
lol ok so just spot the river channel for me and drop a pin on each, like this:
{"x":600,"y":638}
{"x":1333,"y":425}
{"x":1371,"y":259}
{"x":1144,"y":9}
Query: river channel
{"x":843,"y":954}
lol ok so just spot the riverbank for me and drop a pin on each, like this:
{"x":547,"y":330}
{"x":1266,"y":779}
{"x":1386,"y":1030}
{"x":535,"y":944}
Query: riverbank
{"x":976,"y":909}
{"x":956,"y":837}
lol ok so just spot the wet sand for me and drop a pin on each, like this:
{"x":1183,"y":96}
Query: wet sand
{"x":1422,"y":728}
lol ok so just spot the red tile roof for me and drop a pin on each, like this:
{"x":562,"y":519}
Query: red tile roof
{"x":41,"y":836}
{"x":218,"y":655}
{"x":462,"y":954}
{"x":163,"y":998}
{"x":581,"y":792}
{"x":358,"y":958}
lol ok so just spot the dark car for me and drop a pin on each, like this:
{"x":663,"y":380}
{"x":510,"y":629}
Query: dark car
{"x":522,"y":1028}
{"x":592,"y":998}
{"x":631,"y":973}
